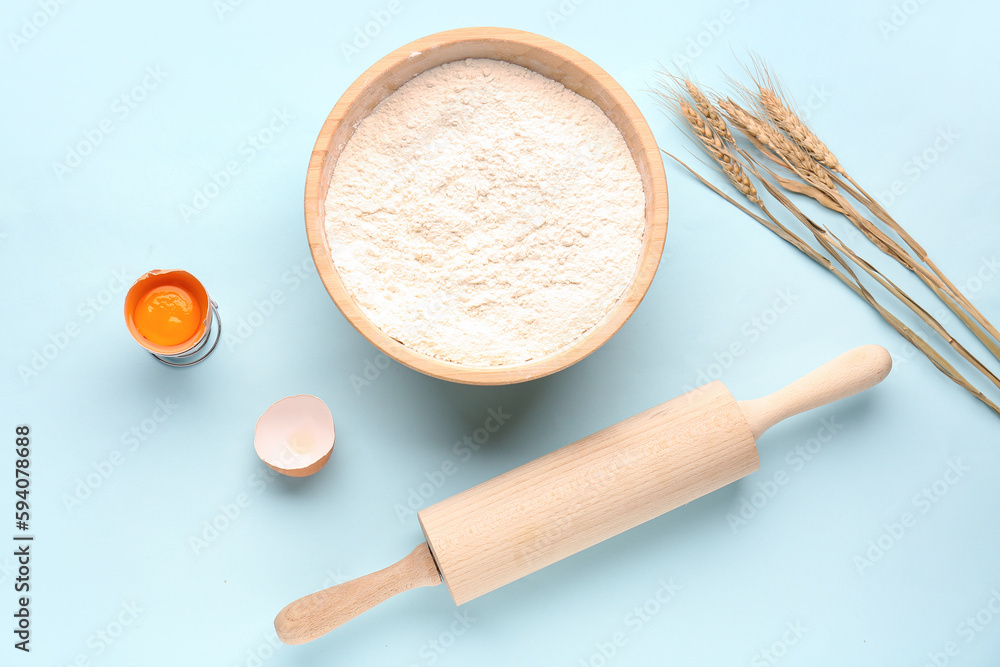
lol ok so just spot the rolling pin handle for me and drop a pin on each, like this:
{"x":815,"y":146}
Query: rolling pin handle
{"x":315,"y":615}
{"x":851,"y":372}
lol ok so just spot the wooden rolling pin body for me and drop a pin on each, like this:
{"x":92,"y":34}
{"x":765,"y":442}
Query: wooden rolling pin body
{"x":588,"y":491}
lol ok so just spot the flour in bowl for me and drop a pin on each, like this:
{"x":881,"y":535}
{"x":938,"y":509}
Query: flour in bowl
{"x":486,"y":215}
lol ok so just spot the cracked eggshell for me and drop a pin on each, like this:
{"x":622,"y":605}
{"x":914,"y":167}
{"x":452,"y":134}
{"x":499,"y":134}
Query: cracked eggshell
{"x":295,"y":435}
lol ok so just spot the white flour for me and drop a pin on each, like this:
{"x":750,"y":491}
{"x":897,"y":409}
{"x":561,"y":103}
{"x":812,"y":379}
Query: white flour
{"x":486,"y":215}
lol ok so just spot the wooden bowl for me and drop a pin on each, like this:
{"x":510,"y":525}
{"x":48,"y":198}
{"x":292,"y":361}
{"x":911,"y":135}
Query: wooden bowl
{"x":549,"y":58}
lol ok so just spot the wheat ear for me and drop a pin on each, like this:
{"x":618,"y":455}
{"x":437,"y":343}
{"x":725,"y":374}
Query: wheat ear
{"x":708,"y":112}
{"x":786,"y":119}
{"x":715,"y":147}
{"x":799,"y":132}
{"x":786,"y":150}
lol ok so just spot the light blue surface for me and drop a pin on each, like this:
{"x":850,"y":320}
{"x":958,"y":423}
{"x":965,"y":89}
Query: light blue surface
{"x":124,"y":554}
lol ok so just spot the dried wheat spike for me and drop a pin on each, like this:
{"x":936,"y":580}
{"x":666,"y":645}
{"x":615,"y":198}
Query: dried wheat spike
{"x":782,"y":146}
{"x":707,"y":110}
{"x":785,"y":118}
{"x":714,"y":146}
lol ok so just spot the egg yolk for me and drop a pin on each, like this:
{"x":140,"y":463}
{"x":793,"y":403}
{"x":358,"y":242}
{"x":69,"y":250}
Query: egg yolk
{"x":167,"y":315}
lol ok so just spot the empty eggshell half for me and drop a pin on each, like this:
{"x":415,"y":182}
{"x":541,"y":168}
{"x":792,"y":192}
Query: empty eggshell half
{"x":295,"y":435}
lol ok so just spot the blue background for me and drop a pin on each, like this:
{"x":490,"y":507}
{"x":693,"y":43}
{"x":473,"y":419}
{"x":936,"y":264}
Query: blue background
{"x":117,"y":579}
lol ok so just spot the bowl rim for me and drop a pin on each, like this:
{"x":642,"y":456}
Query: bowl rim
{"x":654,"y":234}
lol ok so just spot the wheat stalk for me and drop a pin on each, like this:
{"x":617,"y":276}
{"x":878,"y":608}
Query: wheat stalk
{"x":781,"y":114}
{"x":781,"y":137}
{"x":890,"y":286}
{"x":849,"y":278}
{"x":784,"y":118}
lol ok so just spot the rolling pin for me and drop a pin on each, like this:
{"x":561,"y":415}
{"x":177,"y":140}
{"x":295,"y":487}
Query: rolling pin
{"x":584,"y":493}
